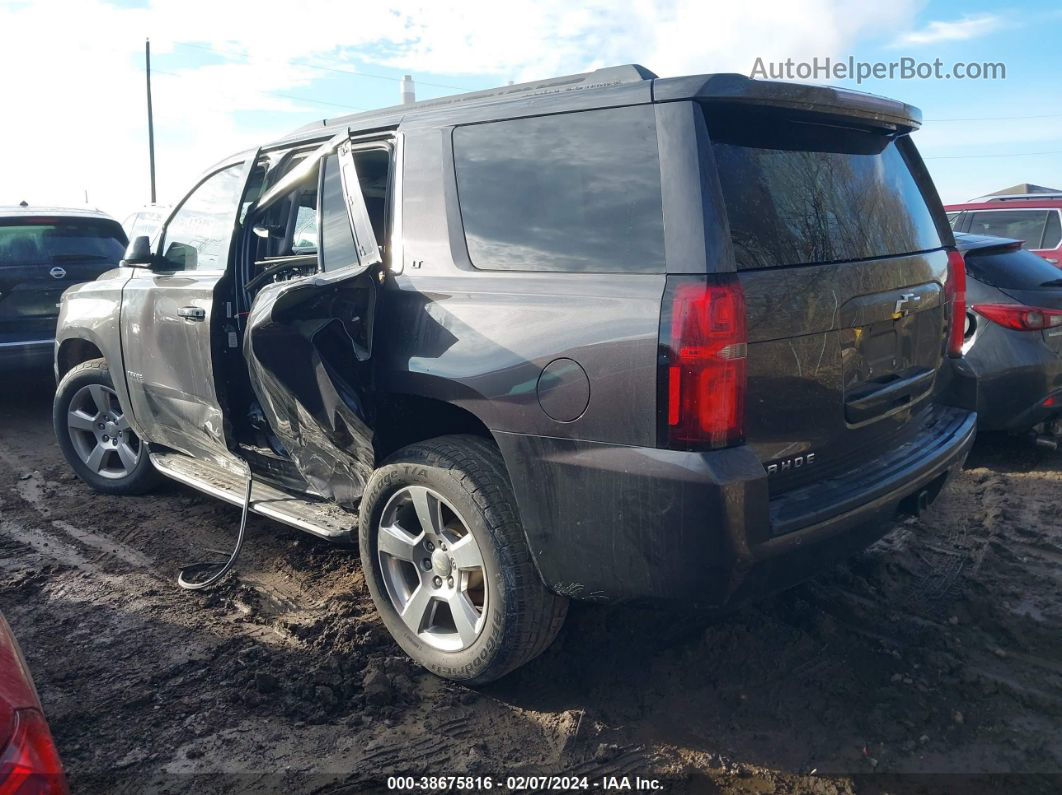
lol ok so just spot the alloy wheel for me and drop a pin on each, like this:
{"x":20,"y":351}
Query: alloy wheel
{"x":432,"y":568}
{"x":100,"y":432}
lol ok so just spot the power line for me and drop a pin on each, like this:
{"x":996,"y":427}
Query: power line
{"x":274,"y":93}
{"x":354,"y":72}
{"x":377,"y":77}
{"x":1008,"y":154}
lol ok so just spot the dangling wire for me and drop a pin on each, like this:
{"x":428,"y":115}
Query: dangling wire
{"x":183,"y":578}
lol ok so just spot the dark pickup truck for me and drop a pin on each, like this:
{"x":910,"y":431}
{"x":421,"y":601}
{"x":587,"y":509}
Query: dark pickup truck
{"x":606,"y":337}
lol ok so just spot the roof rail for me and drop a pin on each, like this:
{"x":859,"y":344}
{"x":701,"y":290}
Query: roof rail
{"x":1023,"y":197}
{"x":599,"y":78}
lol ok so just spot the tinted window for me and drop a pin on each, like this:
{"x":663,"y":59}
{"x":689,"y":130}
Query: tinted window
{"x":798,"y":192}
{"x":1053,"y":231}
{"x":48,"y":240}
{"x":1024,"y":225}
{"x":1015,"y":270}
{"x":337,"y":241}
{"x":198,"y":235}
{"x":574,"y":192}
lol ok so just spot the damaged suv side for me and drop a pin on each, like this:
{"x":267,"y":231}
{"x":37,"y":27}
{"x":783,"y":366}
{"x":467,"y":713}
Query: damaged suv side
{"x":560,"y":340}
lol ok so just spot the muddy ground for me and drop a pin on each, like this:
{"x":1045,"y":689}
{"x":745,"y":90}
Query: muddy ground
{"x":938,"y":652}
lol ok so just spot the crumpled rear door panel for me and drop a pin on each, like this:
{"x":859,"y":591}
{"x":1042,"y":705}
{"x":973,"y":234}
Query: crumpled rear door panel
{"x":307,"y":345}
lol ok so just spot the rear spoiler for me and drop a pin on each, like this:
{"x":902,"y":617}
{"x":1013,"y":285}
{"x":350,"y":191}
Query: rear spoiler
{"x":836,"y":102}
{"x":972,"y":245}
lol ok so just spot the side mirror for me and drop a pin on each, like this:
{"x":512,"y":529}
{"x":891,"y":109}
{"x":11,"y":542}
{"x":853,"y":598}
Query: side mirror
{"x":138,"y":253}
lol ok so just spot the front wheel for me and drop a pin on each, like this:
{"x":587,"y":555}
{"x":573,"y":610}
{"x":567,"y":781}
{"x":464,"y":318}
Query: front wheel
{"x":447,"y":563}
{"x":94,"y":434}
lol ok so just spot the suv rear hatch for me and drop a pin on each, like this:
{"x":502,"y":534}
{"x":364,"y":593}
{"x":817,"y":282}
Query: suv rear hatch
{"x":839,"y":243}
{"x":41,"y":256}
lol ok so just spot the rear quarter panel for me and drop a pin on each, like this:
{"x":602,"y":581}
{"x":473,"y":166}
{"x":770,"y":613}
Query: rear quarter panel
{"x":1015,"y":369}
{"x":481,"y":339}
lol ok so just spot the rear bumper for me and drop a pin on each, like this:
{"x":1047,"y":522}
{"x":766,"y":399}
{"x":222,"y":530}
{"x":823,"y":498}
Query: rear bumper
{"x":608,"y":523}
{"x":31,"y":354}
{"x":1015,"y":371}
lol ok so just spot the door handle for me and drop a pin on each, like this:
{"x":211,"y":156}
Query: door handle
{"x":866,"y":405}
{"x":191,"y":313}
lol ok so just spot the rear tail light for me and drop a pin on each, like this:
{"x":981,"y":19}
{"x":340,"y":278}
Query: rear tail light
{"x":956,"y":296}
{"x":29,"y":765}
{"x":1020,"y":318}
{"x":702,"y":370}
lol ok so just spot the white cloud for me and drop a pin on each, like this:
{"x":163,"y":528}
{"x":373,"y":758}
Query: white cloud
{"x":954,"y":138}
{"x":73,"y":88}
{"x":969,"y":27}
{"x":527,"y":39}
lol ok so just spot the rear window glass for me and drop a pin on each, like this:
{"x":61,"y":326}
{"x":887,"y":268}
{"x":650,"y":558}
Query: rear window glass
{"x":337,"y":239}
{"x":799,"y":192}
{"x":1024,"y":225}
{"x":1016,"y":269}
{"x":1053,"y":230}
{"x":572,"y":192}
{"x":45,"y":241}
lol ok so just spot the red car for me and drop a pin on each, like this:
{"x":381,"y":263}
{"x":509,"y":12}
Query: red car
{"x":29,"y":762}
{"x":1033,"y":218}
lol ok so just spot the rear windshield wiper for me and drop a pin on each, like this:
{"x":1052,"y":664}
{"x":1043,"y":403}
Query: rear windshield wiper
{"x":1052,"y":283}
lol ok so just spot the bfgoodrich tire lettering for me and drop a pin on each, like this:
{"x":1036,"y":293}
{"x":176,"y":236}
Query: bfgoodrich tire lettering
{"x":521,"y":617}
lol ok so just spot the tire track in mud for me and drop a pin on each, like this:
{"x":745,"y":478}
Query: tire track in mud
{"x":30,"y":489}
{"x":950,"y":549}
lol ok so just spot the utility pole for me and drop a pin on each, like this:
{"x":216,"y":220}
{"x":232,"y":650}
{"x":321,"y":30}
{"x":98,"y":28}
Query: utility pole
{"x":151,"y":121}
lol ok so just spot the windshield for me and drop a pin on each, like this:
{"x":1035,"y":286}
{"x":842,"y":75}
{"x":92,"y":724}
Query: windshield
{"x":46,"y":240}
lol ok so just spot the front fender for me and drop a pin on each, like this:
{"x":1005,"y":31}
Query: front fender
{"x":91,"y":312}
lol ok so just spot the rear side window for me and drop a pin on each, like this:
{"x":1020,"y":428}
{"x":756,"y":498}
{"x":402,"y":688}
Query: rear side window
{"x":338,"y":249}
{"x":1053,"y":230}
{"x":799,"y":192}
{"x":1015,"y":269}
{"x":337,"y":241}
{"x":572,"y":192}
{"x":43,"y":241}
{"x":1024,"y":225}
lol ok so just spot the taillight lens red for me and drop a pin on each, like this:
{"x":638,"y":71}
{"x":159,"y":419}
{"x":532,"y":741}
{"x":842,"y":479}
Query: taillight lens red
{"x":956,"y":296}
{"x":1019,"y":317}
{"x":704,"y":344}
{"x":30,"y":765}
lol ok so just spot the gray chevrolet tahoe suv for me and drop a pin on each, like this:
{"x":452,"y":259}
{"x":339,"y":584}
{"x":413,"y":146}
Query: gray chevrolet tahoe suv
{"x":604,"y":337}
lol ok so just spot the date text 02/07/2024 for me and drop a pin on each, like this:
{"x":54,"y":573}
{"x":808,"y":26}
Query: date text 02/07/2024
{"x":523,"y":783}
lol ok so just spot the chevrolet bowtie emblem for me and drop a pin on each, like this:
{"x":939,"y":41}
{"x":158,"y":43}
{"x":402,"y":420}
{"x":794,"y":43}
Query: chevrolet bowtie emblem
{"x":904,"y":304}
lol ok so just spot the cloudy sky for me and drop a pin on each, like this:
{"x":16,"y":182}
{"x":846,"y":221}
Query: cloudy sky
{"x":229,"y":75}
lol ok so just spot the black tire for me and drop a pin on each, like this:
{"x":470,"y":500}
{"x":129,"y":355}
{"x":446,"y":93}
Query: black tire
{"x":522,"y":616}
{"x":141,"y":478}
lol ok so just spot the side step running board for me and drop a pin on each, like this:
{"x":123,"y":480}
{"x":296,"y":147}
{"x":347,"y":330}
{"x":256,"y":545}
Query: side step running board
{"x":311,"y":514}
